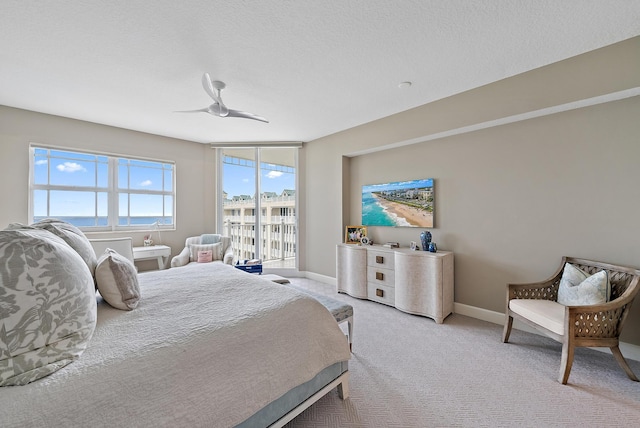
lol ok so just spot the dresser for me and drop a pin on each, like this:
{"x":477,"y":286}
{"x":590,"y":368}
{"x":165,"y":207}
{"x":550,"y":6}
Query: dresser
{"x":416,"y":282}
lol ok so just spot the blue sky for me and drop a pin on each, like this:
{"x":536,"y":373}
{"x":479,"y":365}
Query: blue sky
{"x":427,"y":182}
{"x":240,"y":180}
{"x":80,"y":170}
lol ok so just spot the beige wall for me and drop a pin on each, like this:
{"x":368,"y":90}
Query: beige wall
{"x":510,"y":199}
{"x":195,"y":167}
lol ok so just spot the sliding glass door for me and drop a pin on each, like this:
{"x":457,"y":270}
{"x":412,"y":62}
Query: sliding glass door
{"x":259,"y":204}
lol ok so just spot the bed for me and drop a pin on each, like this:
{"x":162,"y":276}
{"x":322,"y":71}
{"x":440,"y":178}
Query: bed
{"x":208,"y":345}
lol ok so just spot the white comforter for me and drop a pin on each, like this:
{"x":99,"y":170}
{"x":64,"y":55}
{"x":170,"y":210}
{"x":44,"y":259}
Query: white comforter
{"x":208,"y":345}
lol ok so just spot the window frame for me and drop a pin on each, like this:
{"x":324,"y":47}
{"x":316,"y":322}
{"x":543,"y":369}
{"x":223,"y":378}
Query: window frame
{"x":257,"y":166}
{"x":112,"y":190}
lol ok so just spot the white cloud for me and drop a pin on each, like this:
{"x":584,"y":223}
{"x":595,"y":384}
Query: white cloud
{"x":42,"y":162}
{"x":70,"y":167}
{"x":273,"y":174}
{"x":245,"y":180}
{"x":146,"y":183}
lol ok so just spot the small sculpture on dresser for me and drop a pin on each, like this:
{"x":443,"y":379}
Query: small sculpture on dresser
{"x":425,"y":238}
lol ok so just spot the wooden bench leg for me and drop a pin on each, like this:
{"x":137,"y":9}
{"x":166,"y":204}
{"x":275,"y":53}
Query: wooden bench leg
{"x":615,"y":350}
{"x":508,"y":323}
{"x":343,"y":387}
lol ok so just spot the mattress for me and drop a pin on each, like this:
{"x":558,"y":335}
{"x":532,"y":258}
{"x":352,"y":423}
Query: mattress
{"x":208,"y":345}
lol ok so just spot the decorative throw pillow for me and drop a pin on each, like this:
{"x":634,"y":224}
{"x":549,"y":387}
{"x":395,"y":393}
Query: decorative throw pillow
{"x":72,"y":236}
{"x":205,"y":256}
{"x":216,"y":250}
{"x":579,"y":288}
{"x":48,"y":309}
{"x":117,"y":280}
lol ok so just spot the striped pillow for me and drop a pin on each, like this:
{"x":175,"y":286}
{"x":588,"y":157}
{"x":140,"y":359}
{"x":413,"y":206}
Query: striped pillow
{"x":216,"y":251}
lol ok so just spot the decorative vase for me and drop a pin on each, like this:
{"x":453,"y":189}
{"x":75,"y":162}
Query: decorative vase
{"x":433,"y":247}
{"x":425,"y":238}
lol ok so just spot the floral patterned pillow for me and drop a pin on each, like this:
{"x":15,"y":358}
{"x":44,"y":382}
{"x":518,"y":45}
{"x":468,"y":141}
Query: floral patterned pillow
{"x":72,"y":236}
{"x":47,"y":305}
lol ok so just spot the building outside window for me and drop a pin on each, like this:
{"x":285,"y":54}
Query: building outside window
{"x":260,"y":180}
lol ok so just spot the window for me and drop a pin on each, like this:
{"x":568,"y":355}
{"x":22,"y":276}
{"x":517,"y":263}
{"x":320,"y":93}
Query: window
{"x":258,"y":206}
{"x":101,"y":192}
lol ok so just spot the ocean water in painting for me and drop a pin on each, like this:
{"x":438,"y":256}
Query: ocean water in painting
{"x":373,"y":213}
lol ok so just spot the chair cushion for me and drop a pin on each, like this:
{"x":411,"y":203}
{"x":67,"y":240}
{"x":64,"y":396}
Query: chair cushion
{"x":546,"y":313}
{"x":579,"y":288}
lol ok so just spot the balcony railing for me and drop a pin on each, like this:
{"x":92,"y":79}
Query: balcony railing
{"x":278,"y":240}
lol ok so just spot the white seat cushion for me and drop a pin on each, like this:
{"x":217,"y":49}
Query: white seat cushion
{"x":545,"y":313}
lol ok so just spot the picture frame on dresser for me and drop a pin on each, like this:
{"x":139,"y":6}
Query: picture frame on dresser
{"x":353,"y":234}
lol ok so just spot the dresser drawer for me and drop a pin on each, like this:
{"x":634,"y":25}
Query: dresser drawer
{"x":383,"y":259}
{"x":381,"y":276}
{"x":381,"y":294}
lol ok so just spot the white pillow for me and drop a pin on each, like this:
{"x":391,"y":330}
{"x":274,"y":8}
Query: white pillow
{"x":48,"y":310}
{"x":195,"y":248}
{"x":117,"y":280}
{"x":579,"y":288}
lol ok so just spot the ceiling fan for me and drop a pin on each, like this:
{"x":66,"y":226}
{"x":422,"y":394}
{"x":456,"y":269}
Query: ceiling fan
{"x":213,"y":88}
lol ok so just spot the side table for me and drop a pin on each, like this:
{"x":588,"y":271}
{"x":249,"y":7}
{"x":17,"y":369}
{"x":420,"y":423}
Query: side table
{"x":158,"y":252}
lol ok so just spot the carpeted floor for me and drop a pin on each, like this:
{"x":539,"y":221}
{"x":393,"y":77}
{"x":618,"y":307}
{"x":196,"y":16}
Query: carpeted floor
{"x":408,"y":371}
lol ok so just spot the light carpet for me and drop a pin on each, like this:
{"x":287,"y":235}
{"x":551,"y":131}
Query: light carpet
{"x":408,"y":371}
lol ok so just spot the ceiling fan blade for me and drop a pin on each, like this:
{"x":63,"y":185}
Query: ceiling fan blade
{"x":213,"y":89}
{"x":200,"y":110}
{"x":246,"y":115}
{"x":208,"y":87}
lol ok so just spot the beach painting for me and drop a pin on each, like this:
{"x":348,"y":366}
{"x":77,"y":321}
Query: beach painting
{"x":402,"y":203}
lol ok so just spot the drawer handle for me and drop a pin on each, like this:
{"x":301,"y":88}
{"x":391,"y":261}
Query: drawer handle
{"x":380,"y":259}
{"x":379,"y":293}
{"x":379,"y":276}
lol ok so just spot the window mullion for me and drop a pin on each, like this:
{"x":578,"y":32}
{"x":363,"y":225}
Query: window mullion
{"x":113,"y":200}
{"x":258,"y":207}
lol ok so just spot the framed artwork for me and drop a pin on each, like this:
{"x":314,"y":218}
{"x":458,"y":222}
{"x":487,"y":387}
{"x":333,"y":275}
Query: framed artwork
{"x":353,"y":234}
{"x":400,"y":203}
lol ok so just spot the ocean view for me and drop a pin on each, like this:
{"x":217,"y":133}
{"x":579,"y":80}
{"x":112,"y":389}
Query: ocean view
{"x":102,"y":221}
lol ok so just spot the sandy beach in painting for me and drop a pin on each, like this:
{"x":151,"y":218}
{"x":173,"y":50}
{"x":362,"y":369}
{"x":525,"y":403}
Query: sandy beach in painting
{"x":405,"y":215}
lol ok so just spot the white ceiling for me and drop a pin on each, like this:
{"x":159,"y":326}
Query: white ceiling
{"x":311,"y":67}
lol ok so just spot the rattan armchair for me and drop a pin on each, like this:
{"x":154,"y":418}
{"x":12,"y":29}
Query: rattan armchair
{"x":591,"y":326}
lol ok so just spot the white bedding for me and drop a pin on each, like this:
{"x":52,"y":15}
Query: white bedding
{"x":208,"y":345}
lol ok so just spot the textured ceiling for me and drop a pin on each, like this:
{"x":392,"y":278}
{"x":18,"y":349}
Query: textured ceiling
{"x":311,"y":67}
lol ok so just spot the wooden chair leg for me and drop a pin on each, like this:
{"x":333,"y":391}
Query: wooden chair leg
{"x":615,"y":350}
{"x":508,"y":323}
{"x":566,"y":362}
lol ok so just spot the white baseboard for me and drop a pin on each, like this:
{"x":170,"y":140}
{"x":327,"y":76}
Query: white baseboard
{"x":320,"y":278}
{"x":630,"y":351}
